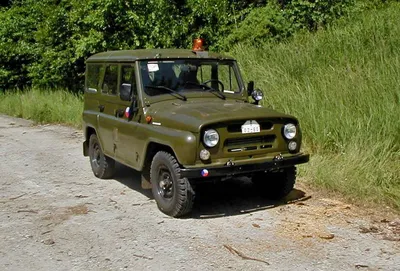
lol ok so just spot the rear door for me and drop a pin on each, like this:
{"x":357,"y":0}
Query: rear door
{"x":94,"y":79}
{"x":108,"y":104}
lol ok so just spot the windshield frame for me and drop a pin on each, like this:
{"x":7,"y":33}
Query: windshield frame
{"x":192,"y":94}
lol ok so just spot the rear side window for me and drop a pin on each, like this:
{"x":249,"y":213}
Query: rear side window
{"x":94,"y":73}
{"x":110,"y":84}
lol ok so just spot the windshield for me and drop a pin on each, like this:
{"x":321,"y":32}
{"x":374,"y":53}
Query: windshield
{"x":170,"y":76}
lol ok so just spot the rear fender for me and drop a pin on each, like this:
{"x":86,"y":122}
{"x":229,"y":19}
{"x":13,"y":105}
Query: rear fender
{"x":88,"y":132}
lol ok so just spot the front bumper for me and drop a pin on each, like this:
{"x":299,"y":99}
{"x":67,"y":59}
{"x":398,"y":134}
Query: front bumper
{"x":276,"y":163}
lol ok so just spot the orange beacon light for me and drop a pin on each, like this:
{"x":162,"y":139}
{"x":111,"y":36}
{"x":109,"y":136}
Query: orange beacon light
{"x":198,"y":44}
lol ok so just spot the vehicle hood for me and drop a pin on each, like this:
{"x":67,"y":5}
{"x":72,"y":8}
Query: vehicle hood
{"x":193,"y":115}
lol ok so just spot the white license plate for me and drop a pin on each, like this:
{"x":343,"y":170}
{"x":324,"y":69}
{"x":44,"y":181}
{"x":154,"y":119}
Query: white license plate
{"x":250,"y":126}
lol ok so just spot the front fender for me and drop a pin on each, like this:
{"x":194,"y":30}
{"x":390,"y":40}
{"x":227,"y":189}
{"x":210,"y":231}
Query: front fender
{"x":183,"y":143}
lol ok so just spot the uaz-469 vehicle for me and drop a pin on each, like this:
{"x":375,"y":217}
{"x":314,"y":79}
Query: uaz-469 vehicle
{"x":183,"y":117}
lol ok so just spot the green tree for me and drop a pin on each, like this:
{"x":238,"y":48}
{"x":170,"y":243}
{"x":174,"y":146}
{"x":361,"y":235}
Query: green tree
{"x":313,"y":14}
{"x":17,"y":44}
{"x":45,"y":43}
{"x":262,"y":24}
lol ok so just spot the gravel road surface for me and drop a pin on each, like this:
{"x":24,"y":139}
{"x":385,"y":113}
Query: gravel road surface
{"x":55,"y":215}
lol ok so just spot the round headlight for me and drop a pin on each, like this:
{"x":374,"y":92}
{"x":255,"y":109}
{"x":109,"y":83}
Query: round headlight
{"x":211,"y":138}
{"x":289,"y":131}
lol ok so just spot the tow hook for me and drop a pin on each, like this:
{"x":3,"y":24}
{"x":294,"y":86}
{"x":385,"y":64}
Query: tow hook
{"x":278,"y":157}
{"x":230,"y":163}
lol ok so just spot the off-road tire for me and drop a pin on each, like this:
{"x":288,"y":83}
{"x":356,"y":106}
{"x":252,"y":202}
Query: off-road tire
{"x":103,"y":167}
{"x":275,"y":185}
{"x":178,"y":199}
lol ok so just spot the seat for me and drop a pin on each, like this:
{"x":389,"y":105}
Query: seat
{"x":188,"y":76}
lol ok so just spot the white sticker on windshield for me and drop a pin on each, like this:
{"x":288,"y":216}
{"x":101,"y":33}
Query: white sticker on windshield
{"x":152,"y":67}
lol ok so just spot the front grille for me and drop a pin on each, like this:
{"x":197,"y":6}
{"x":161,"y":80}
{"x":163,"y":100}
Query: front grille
{"x":249,"y":140}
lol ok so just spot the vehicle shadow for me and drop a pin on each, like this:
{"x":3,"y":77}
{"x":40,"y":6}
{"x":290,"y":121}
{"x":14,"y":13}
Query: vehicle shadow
{"x":235,"y":197}
{"x":229,"y":198}
{"x":132,"y":179}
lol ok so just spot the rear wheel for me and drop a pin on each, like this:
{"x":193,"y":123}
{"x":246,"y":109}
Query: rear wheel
{"x":103,"y":167}
{"x":174,"y":195}
{"x":275,"y":185}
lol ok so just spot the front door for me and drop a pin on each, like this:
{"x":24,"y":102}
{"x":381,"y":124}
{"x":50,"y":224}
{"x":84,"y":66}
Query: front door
{"x":128,"y":136}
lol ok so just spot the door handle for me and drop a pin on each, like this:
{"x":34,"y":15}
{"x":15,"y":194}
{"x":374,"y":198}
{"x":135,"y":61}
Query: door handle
{"x":119,"y":113}
{"x":101,"y":107}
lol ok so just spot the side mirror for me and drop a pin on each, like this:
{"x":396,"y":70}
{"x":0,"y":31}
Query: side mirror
{"x":250,"y":88}
{"x":125,"y":92}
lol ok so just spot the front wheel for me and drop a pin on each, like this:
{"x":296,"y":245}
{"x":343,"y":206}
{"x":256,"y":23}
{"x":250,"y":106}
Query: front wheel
{"x":275,"y":185}
{"x":103,"y":167}
{"x":174,"y":195}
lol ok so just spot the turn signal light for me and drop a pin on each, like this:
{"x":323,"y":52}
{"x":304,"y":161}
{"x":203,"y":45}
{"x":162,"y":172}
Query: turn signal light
{"x":149,"y":119}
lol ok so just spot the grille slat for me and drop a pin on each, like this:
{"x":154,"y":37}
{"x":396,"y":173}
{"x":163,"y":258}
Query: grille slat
{"x":249,"y":140}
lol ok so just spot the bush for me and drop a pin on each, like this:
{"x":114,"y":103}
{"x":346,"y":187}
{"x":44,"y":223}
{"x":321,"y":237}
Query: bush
{"x":264,"y":24}
{"x":311,"y":15}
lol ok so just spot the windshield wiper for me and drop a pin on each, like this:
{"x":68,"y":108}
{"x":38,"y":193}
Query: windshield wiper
{"x":183,"y":97}
{"x":209,"y":89}
{"x":219,"y":93}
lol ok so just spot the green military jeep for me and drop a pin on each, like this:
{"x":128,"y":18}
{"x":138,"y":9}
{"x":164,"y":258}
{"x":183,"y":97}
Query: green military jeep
{"x":182,"y":117}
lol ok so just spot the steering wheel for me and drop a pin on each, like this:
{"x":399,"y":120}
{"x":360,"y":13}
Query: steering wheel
{"x":215,"y":80}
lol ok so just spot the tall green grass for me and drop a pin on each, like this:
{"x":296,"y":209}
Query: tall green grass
{"x":43,"y":106}
{"x":343,"y":84}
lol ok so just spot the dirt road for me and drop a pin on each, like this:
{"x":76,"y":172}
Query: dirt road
{"x":55,"y":215}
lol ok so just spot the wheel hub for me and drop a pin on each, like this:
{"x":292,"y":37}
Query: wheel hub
{"x":96,"y":155}
{"x":165,"y":185}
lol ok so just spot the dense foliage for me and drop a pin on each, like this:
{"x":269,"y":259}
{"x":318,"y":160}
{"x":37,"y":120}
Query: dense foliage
{"x":45,"y":43}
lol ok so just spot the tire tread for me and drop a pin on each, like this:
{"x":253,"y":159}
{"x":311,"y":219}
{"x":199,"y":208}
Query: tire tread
{"x":107,"y":164}
{"x":185,"y":191}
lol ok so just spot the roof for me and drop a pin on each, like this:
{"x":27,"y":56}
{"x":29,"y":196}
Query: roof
{"x":143,"y":54}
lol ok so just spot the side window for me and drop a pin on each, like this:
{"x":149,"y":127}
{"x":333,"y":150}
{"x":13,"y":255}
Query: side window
{"x":94,"y":72}
{"x":128,"y":78}
{"x":204,"y":73}
{"x":111,"y":80}
{"x":226,"y":74}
